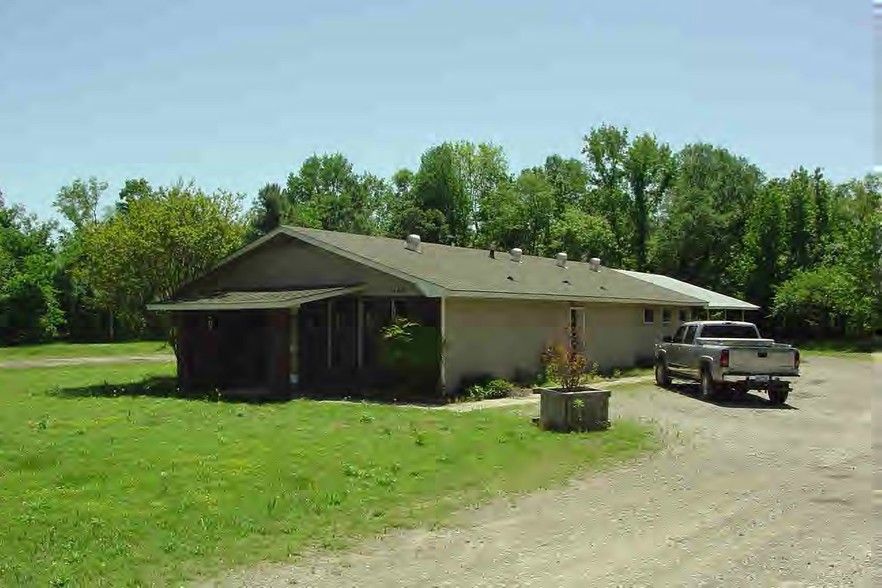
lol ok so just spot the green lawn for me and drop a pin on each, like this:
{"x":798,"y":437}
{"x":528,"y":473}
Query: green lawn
{"x":99,"y":489}
{"x":50,"y":350}
{"x":860,"y":349}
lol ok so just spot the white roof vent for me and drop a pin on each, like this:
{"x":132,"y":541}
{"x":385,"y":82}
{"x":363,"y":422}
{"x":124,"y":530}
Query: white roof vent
{"x":516,"y":254}
{"x":561,"y":259}
{"x":412,"y":243}
{"x":594,"y":262}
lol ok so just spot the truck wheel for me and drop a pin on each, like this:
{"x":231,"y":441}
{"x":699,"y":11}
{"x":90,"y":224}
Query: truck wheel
{"x":778,"y":396}
{"x":662,"y":375}
{"x":708,"y":387}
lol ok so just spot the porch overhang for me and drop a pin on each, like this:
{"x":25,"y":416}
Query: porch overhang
{"x":252,"y":300}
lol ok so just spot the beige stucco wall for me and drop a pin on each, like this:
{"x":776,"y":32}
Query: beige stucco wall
{"x":498,"y":337}
{"x":615,"y":335}
{"x":287,"y":262}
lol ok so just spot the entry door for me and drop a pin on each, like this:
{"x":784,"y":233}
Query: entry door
{"x":577,"y":327}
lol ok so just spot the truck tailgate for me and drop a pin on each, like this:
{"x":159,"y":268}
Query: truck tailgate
{"x":762,"y":360}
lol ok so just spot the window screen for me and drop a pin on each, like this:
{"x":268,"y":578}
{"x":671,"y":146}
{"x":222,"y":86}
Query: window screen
{"x":648,"y":316}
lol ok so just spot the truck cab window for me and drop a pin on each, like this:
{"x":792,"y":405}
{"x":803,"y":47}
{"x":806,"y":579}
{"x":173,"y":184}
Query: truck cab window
{"x":678,"y":336}
{"x":689,"y":338}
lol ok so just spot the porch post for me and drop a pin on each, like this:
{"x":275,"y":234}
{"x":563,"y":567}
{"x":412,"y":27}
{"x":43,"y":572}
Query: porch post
{"x":330,"y":330}
{"x":442,"y":363}
{"x":359,"y":330}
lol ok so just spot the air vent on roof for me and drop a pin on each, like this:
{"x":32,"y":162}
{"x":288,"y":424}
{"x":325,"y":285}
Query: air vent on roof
{"x":412,"y":243}
{"x":594,"y":262}
{"x":561,"y":259}
{"x":516,"y":254}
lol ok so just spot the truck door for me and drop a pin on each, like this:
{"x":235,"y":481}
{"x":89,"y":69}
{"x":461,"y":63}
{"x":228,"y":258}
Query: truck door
{"x":688,"y":354}
{"x":675,"y":350}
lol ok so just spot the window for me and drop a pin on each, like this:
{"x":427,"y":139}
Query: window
{"x":690,"y":335}
{"x":730,"y":332}
{"x":648,"y":316}
{"x":678,"y":336}
{"x":666,"y":316}
{"x":683,"y":316}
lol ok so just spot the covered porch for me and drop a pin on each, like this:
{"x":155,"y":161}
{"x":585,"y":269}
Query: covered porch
{"x":322,"y":340}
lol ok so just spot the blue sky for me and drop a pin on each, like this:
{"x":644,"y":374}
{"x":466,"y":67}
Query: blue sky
{"x":236,"y":94}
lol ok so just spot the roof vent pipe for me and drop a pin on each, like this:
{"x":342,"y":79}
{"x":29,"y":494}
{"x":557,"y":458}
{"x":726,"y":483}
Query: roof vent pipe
{"x":594,"y":262}
{"x":561,"y":259}
{"x":516,"y":254}
{"x":412,"y":243}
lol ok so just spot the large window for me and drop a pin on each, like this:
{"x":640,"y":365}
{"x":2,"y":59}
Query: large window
{"x":666,"y":316}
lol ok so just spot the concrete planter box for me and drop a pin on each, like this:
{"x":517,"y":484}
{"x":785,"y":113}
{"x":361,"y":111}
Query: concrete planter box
{"x":583,"y":409}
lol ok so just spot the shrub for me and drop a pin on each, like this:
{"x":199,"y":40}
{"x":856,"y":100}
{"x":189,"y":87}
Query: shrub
{"x":564,"y":364}
{"x":496,"y":388}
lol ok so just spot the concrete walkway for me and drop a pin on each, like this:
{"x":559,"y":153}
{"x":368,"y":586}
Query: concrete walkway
{"x":533,"y":398}
{"x":68,"y":361}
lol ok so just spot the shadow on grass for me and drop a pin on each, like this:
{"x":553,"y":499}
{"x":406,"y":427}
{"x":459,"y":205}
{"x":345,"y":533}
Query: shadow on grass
{"x":747,"y":400}
{"x":165,"y":388}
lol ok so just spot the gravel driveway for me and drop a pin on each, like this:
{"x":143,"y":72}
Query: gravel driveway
{"x":746,"y":495}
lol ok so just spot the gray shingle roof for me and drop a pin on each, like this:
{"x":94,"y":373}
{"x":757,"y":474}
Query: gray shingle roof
{"x":471,"y":272}
{"x":250,"y":299}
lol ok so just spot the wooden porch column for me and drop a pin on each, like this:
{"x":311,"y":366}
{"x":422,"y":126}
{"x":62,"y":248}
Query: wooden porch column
{"x":442,"y":364}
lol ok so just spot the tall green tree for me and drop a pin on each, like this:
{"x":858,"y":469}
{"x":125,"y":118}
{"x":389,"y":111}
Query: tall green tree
{"x":583,"y":236}
{"x":326,"y":193}
{"x":162,"y":242}
{"x":29,"y":307}
{"x":650,"y":169}
{"x":133,"y":189}
{"x":270,"y":210}
{"x":606,"y":151}
{"x":78,"y":201}
{"x":439,"y":185}
{"x":701,"y":230}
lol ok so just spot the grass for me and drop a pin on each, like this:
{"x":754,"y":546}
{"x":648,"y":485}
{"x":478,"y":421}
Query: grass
{"x":100,"y":489}
{"x":59,"y":350}
{"x":862,"y":349}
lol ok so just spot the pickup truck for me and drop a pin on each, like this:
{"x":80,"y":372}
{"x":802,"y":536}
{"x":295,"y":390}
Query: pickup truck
{"x":727,"y":356}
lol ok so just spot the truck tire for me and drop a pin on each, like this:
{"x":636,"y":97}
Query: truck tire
{"x":707,"y":385}
{"x":662,"y":375}
{"x":778,"y":396}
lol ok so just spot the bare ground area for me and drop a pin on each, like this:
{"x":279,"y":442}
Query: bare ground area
{"x":743,"y":495}
{"x":66,"y":361}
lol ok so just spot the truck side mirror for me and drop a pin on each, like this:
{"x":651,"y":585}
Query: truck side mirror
{"x":667,"y":339}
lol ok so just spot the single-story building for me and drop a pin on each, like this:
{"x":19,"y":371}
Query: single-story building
{"x":306,"y":308}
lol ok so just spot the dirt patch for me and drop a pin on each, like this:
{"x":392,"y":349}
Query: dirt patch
{"x":738,"y":498}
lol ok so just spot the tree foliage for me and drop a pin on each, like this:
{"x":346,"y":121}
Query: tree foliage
{"x":29,"y":308}
{"x":164,"y":240}
{"x":804,"y":248}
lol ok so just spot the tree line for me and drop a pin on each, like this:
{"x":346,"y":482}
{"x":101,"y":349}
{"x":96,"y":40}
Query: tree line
{"x":806,"y":249}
